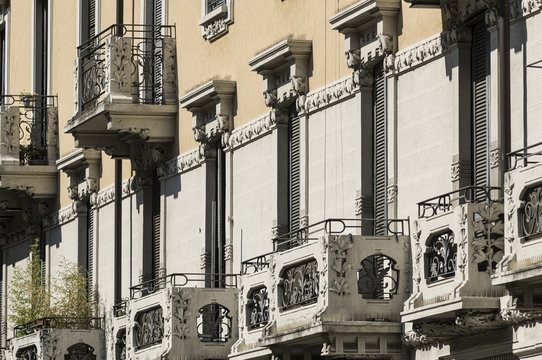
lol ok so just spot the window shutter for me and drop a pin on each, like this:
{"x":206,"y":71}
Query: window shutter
{"x":294,"y":169}
{"x":158,"y":51}
{"x":41,"y":47}
{"x":156,"y":213}
{"x":91,"y":18}
{"x":380,"y":153}
{"x":480,"y":72}
{"x":2,"y":61}
{"x":90,"y":249}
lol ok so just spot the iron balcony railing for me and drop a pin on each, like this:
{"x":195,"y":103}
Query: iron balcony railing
{"x":29,"y":126}
{"x":469,"y":194}
{"x":58,"y":323}
{"x":183,"y":279}
{"x":382,"y":227}
{"x":146,"y":59}
{"x":529,"y":155}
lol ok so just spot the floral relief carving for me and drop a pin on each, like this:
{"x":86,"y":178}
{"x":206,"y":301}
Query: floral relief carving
{"x":181,"y":313}
{"x":255,"y":129}
{"x":215,"y":29}
{"x":339,"y":246}
{"x":10,"y":130}
{"x":170,"y":67}
{"x":331,"y":94}
{"x":118,"y":61}
{"x":488,"y":238}
{"x":49,"y":348}
{"x":418,"y":254}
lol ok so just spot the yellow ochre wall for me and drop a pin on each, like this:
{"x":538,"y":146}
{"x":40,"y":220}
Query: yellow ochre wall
{"x":257,"y":25}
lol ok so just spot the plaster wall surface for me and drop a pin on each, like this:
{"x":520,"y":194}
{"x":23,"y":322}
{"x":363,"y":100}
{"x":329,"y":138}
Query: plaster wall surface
{"x":334,"y":164}
{"x":425,"y":106}
{"x":16,"y":256}
{"x":185,"y":221}
{"x":62,"y":246}
{"x":105,"y":255}
{"x":254,"y":184}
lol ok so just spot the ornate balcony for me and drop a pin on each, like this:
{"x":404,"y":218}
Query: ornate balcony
{"x":29,"y":144}
{"x":520,"y":270}
{"x":125,"y":88}
{"x":50,"y":338}
{"x":327,"y":289}
{"x":177,"y":317}
{"x":457,"y":243}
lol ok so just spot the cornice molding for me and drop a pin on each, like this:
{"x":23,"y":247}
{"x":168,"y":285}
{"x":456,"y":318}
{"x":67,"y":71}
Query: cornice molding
{"x":184,"y":162}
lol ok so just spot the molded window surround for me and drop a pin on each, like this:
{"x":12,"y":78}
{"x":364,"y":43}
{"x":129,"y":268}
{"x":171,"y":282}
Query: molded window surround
{"x":214,"y":23}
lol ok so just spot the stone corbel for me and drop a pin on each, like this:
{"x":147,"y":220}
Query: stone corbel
{"x":145,"y":158}
{"x":285,"y":70}
{"x":212,"y":108}
{"x":83,"y":168}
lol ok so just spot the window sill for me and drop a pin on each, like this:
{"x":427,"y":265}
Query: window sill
{"x":213,"y":15}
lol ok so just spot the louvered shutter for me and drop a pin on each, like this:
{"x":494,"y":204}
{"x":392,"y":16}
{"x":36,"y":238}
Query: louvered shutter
{"x":91,"y":18}
{"x":158,"y":51}
{"x":379,"y":151}
{"x":480,"y":72}
{"x":90,"y":249}
{"x":156,"y":214}
{"x":294,"y":136}
{"x":2,"y":61}
{"x":220,"y":210}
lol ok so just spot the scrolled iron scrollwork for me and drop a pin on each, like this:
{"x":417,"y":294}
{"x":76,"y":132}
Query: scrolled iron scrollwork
{"x":378,"y":278}
{"x":441,"y":257}
{"x":257,"y":308}
{"x":299,"y":285}
{"x":214,"y":323}
{"x":27,"y":353}
{"x":149,"y":328}
{"x":531,"y":214}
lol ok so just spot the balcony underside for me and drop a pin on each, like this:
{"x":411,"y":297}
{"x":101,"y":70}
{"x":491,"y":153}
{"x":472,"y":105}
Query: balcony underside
{"x":114,"y":126}
{"x":448,"y":309}
{"x":39,"y":181}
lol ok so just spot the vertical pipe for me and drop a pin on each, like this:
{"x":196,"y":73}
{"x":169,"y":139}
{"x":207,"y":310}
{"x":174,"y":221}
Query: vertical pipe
{"x":504,"y":81}
{"x":118,"y":200}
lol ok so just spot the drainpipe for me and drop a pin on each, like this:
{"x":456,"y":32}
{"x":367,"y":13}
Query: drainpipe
{"x":504,"y":82}
{"x":118,"y":202}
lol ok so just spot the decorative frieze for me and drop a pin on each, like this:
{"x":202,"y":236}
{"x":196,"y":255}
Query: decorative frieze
{"x":254,"y":129}
{"x":214,"y":23}
{"x":183,"y":162}
{"x":331,"y":94}
{"x":426,"y":51}
{"x":64,"y":215}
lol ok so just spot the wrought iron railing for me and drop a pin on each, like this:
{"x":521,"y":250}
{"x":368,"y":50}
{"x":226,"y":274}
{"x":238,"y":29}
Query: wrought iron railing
{"x":27,"y":126}
{"x":214,"y":324}
{"x":529,"y":155}
{"x":393,"y":227}
{"x":58,"y":323}
{"x":257,"y":308}
{"x":299,"y":285}
{"x":255,"y":264}
{"x":145,"y":75}
{"x":149,"y":328}
{"x":441,"y":257}
{"x":469,"y":194}
{"x":183,"y":279}
{"x":120,"y":308}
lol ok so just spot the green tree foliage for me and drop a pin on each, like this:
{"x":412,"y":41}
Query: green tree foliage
{"x":68,"y":299}
{"x":29,"y":298}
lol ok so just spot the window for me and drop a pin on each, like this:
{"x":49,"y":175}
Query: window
{"x":88,"y":20}
{"x":214,"y":323}
{"x":3,"y":61}
{"x":214,"y":4}
{"x":379,"y":147}
{"x":294,"y":168}
{"x":480,"y":109}
{"x":156,"y":219}
{"x":257,"y":308}
{"x":41,"y":47}
{"x":216,"y":16}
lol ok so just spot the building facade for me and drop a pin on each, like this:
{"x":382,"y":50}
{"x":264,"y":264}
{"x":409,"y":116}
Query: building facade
{"x":276,"y":179}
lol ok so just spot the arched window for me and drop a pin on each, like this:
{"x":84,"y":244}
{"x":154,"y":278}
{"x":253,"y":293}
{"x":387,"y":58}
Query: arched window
{"x":257,"y":308}
{"x":214,"y":323}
